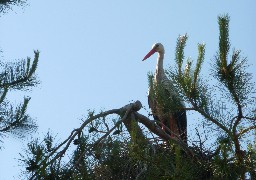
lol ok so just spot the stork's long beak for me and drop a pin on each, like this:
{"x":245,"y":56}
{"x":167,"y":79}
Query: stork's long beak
{"x":150,"y":53}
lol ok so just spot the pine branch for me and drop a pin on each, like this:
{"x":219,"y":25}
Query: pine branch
{"x":187,"y":71}
{"x":17,"y":120}
{"x":19,"y":75}
{"x":211,"y":119}
{"x":179,"y":56}
{"x":200,"y":59}
{"x":224,"y":43}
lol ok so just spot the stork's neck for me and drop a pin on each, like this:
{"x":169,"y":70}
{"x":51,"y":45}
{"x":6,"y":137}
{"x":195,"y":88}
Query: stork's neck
{"x":160,"y":64}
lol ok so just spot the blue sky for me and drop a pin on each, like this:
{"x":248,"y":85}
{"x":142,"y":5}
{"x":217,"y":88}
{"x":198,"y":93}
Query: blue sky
{"x":91,"y":53}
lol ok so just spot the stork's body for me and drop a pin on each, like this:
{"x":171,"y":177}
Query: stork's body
{"x":176,"y":121}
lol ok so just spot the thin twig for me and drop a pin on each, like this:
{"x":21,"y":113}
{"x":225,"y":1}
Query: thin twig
{"x":250,"y":118}
{"x":71,"y":137}
{"x":246,"y":130}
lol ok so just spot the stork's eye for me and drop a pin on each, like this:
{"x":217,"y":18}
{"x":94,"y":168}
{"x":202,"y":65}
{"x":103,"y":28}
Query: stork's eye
{"x":157,"y":45}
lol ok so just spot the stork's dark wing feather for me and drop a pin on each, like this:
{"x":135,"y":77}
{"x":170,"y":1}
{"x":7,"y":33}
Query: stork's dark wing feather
{"x":181,"y":119}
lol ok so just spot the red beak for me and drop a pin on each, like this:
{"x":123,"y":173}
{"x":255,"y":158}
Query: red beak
{"x":150,"y":53}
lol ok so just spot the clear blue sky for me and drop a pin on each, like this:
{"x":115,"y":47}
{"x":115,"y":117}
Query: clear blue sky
{"x":91,"y":53}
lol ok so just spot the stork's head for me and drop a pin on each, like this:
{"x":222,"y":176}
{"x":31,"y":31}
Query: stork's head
{"x":158,"y":47}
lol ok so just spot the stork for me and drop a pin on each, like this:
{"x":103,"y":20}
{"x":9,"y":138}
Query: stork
{"x":175,"y":120}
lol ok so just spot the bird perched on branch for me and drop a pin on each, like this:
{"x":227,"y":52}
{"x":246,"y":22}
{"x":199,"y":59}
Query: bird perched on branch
{"x":164,"y":101}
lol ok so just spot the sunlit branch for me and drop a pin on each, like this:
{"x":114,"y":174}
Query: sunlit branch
{"x":132,"y":106}
{"x":105,"y":135}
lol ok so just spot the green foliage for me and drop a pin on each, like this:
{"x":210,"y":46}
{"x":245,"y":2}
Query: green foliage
{"x":121,"y":155}
{"x":232,"y":74}
{"x":36,"y":156}
{"x":224,"y":43}
{"x":163,"y":98}
{"x":112,"y":159}
{"x":179,"y":56}
{"x":200,"y":59}
{"x":252,"y":160}
{"x":235,"y":84}
{"x":20,"y":76}
{"x":187,"y":82}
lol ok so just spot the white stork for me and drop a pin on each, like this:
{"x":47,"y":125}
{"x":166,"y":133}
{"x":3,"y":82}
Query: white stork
{"x":175,"y":120}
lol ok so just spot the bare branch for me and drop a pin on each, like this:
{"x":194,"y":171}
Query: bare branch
{"x":151,"y":125}
{"x":249,"y":118}
{"x":105,"y":135}
{"x":246,"y":130}
{"x":127,"y":109}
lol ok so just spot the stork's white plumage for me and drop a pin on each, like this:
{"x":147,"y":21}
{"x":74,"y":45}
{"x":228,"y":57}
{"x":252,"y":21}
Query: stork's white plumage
{"x":175,"y":120}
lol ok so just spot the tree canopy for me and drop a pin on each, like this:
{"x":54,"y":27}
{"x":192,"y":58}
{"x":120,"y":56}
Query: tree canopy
{"x":124,"y":144}
{"x":16,"y":75}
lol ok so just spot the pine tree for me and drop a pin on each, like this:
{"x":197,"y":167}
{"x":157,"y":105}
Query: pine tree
{"x":234,"y":83}
{"x":112,"y":145}
{"x":19,"y":76}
